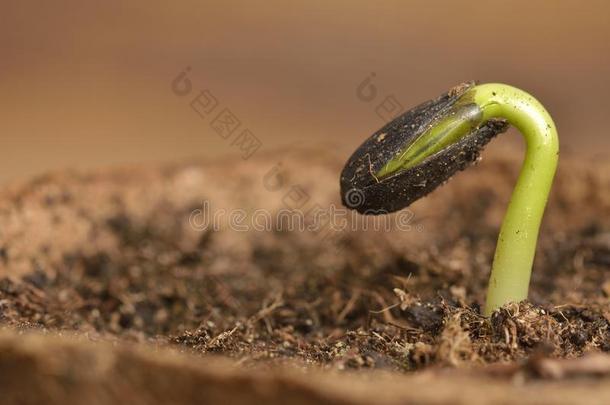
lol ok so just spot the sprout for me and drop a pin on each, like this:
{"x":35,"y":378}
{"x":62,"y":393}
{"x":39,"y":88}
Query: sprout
{"x":418,"y":151}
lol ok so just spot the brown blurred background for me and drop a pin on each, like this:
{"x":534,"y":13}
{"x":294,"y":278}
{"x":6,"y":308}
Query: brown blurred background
{"x":87,"y":84}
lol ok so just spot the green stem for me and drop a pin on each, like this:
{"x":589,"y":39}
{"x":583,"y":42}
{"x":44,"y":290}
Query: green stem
{"x":512,"y":265}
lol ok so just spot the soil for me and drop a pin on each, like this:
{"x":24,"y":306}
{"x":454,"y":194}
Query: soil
{"x":115,"y":267}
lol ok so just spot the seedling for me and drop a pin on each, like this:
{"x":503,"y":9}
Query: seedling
{"x":418,"y":151}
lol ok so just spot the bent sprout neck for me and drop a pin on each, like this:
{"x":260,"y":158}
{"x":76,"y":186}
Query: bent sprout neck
{"x":512,"y":265}
{"x":514,"y":256}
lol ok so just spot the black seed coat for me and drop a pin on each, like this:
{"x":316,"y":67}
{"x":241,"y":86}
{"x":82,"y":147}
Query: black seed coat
{"x":362,"y":191}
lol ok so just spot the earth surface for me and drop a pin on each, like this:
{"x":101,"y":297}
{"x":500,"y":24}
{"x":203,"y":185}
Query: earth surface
{"x":188,"y":283}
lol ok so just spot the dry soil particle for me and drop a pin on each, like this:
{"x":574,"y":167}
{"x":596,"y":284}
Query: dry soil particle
{"x":115,"y":255}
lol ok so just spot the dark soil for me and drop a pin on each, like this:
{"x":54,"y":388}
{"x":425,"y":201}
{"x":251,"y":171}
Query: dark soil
{"x":113,"y":256}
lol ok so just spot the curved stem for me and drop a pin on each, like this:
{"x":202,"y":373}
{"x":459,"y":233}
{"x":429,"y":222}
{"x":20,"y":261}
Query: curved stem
{"x":512,"y":265}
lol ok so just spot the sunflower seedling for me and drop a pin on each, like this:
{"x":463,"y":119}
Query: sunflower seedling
{"x":418,"y":151}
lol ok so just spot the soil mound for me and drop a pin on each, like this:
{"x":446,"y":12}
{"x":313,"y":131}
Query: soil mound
{"x":247,"y":260}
